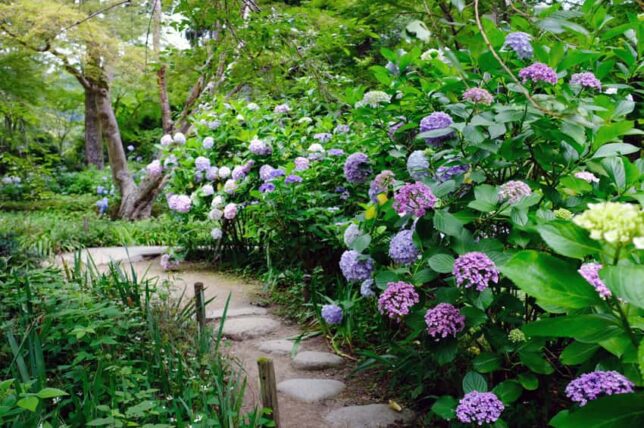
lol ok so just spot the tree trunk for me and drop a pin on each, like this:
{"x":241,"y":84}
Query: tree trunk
{"x":93,"y":143}
{"x":166,"y":114}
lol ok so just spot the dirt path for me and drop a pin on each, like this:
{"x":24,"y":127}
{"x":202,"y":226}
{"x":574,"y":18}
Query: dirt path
{"x":315,"y":389}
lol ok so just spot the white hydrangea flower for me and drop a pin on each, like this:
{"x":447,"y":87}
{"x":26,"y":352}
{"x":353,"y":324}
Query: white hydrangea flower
{"x":179,"y":138}
{"x":224,"y":172}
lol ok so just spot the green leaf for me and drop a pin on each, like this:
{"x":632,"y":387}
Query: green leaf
{"x":568,"y":239}
{"x":614,"y":411}
{"x":50,"y":393}
{"x":577,"y":353}
{"x":447,"y":223}
{"x":611,"y":131}
{"x":552,"y":281}
{"x":535,"y":362}
{"x":487,"y":362}
{"x":508,"y":391}
{"x":445,"y":407}
{"x":30,"y":403}
{"x":442,"y":263}
{"x":588,"y":328}
{"x":474,"y":382}
{"x":640,"y":358}
{"x":625,"y":282}
{"x":528,"y":381}
{"x":485,"y":198}
{"x":361,"y":243}
{"x":615,"y":149}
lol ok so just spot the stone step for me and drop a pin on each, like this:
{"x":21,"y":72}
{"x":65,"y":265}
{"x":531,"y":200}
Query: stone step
{"x":368,"y":416}
{"x":277,"y":347}
{"x":248,"y":328}
{"x":236,"y":312}
{"x":310,"y":390}
{"x":313,"y":360}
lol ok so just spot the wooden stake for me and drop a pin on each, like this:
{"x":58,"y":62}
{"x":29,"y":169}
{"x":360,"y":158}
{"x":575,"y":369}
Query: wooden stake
{"x":199,"y":305}
{"x":268,"y":388}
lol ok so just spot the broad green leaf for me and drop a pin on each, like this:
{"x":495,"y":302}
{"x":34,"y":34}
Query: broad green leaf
{"x":625,"y":282}
{"x":474,"y":382}
{"x":535,"y":362}
{"x":615,"y":149}
{"x":615,"y":411}
{"x":447,"y":223}
{"x":442,"y":263}
{"x":50,"y":393}
{"x":568,"y":239}
{"x":588,"y":328}
{"x":30,"y":403}
{"x":487,"y":362}
{"x":577,"y":353}
{"x":640,"y":358}
{"x":508,"y":391}
{"x":611,"y":131}
{"x":361,"y":243}
{"x":550,"y":280}
{"x":445,"y":407}
{"x":528,"y":381}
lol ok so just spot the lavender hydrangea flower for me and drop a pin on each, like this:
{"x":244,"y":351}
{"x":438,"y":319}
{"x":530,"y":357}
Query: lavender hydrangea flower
{"x":316,"y":151}
{"x":380,"y":184}
{"x":216,"y":234}
{"x":230,"y":186}
{"x":342,"y":129}
{"x":301,"y":163}
{"x":208,"y":190}
{"x":179,"y":138}
{"x":265,"y":172}
{"x":586,"y":80}
{"x":435,"y":121}
{"x":168,"y":262}
{"x":224,"y":172}
{"x":351,"y":233}
{"x":418,"y":165}
{"x":357,"y":168}
{"x":332,"y":314}
{"x":212,"y":173}
{"x":214,"y":124}
{"x":445,"y":173}
{"x":239,"y":173}
{"x":355,"y":266}
{"x":259,"y":147}
{"x":344,"y":193}
{"x":207,"y":143}
{"x":267,"y":187}
{"x":397,"y":299}
{"x":202,"y":163}
{"x":590,"y":386}
{"x":478,"y":96}
{"x":230,"y":211}
{"x":394,"y":128}
{"x":402,"y":249}
{"x":479,"y":408}
{"x":198,"y":176}
{"x":414,"y":199}
{"x":590,"y":272}
{"x":444,"y":320}
{"x":154,"y":168}
{"x":102,"y":205}
{"x":475,"y":269}
{"x":292,"y":179}
{"x":588,"y":177}
{"x":323,"y":137}
{"x":392,"y":68}
{"x":166,"y":140}
{"x":519,"y":42}
{"x":215,"y":214}
{"x":366,"y":288}
{"x":281,"y":108}
{"x":179,"y":203}
{"x":514,"y":191}
{"x":130,"y":148}
{"x":336,"y":152}
{"x":538,"y":72}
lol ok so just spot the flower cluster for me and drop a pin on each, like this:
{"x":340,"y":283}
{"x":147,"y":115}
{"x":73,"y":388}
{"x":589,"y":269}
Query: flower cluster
{"x":514,"y":191}
{"x":366,"y":288}
{"x":202,"y":163}
{"x":323,"y":137}
{"x":230,"y":211}
{"x":351,"y":233}
{"x":259,"y":147}
{"x":154,"y":168}
{"x":179,"y":203}
{"x":479,"y":408}
{"x":478,"y":96}
{"x":437,"y":121}
{"x":268,"y":173}
{"x":380,"y":184}
{"x":418,"y":165}
{"x":430,"y":54}
{"x":397,"y":299}
{"x":586,"y":80}
{"x":590,"y":272}
{"x":301,"y":163}
{"x":207,"y":143}
{"x":519,"y":42}
{"x":590,"y":386}
{"x":292,"y":179}
{"x":445,"y":173}
{"x":414,"y":199}
{"x":216,"y":233}
{"x":168,"y":262}
{"x":281,"y":108}
{"x":588,"y":177}
{"x":444,"y":320}
{"x":613,"y":222}
{"x":374,"y":99}
{"x":355,"y":266}
{"x":332,"y":314}
{"x":342,"y":129}
{"x":402,"y":249}
{"x":102,"y":205}
{"x":357,"y":168}
{"x":538,"y":72}
{"x":475,"y":269}
{"x":267,"y":187}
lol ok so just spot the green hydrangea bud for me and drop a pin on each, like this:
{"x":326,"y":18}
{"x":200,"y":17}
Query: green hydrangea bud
{"x":474,"y":350}
{"x":563,"y":214}
{"x":516,"y":336}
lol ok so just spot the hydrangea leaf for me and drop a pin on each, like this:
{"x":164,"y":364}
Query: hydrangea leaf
{"x":625,"y":282}
{"x":587,"y":328}
{"x":445,"y":407}
{"x":568,"y":239}
{"x":577,"y":353}
{"x":508,"y":391}
{"x":615,"y":411}
{"x":473,"y":381}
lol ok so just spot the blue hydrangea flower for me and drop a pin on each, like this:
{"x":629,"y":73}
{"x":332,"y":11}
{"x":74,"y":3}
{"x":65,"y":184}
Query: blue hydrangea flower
{"x":519,"y":42}
{"x":402,"y":249}
{"x":332,"y":314}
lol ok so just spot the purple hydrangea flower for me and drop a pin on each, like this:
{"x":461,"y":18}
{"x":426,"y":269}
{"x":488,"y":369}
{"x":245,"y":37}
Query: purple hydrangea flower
{"x":301,"y":163}
{"x":514,"y":191}
{"x":588,"y":177}
{"x":520,"y":43}
{"x":282,"y":108}
{"x":154,"y":168}
{"x":342,"y":129}
{"x":335,"y":152}
{"x":208,"y":190}
{"x":240,"y":172}
{"x":212,"y":173}
{"x":208,"y":142}
{"x":435,"y":121}
{"x":414,"y":199}
{"x":392,"y":68}
{"x":397,"y":299}
{"x":323,"y":137}
{"x":168,"y":262}
{"x":418,"y":165}
{"x":394,"y":128}
{"x":344,"y":193}
{"x":265,"y":172}
{"x":380,"y":184}
{"x":230,"y":211}
{"x":590,"y":272}
{"x":332,"y":314}
{"x":478,"y":96}
{"x":202,"y":163}
{"x":366,"y":288}
{"x":179,"y":203}
{"x":355,"y":266}
{"x":445,"y":173}
{"x":590,"y":386}
{"x":444,"y":320}
{"x":102,"y":205}
{"x":479,"y":408}
{"x":586,"y":80}
{"x":267,"y":187}
{"x":351,"y":233}
{"x":198,"y":177}
{"x":357,"y":168}
{"x":475,"y":269}
{"x":538,"y":72}
{"x":402,"y":249}
{"x":291,"y":179}
{"x":259,"y":147}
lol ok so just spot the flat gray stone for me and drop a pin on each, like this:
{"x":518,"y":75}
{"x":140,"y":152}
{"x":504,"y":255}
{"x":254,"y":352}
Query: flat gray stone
{"x":311,"y":390}
{"x":237,"y":312}
{"x":248,"y":328}
{"x":277,"y":347}
{"x":104,"y":255}
{"x":368,"y":416}
{"x":313,"y":360}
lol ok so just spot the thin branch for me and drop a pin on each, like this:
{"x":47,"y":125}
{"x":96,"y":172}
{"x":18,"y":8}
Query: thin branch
{"x":93,"y":14}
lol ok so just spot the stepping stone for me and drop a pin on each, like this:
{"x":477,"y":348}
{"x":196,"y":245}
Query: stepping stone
{"x":310,"y":390}
{"x":277,"y":347}
{"x":237,"y":312}
{"x":368,"y":416}
{"x":248,"y":328}
{"x":312,"y":360}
